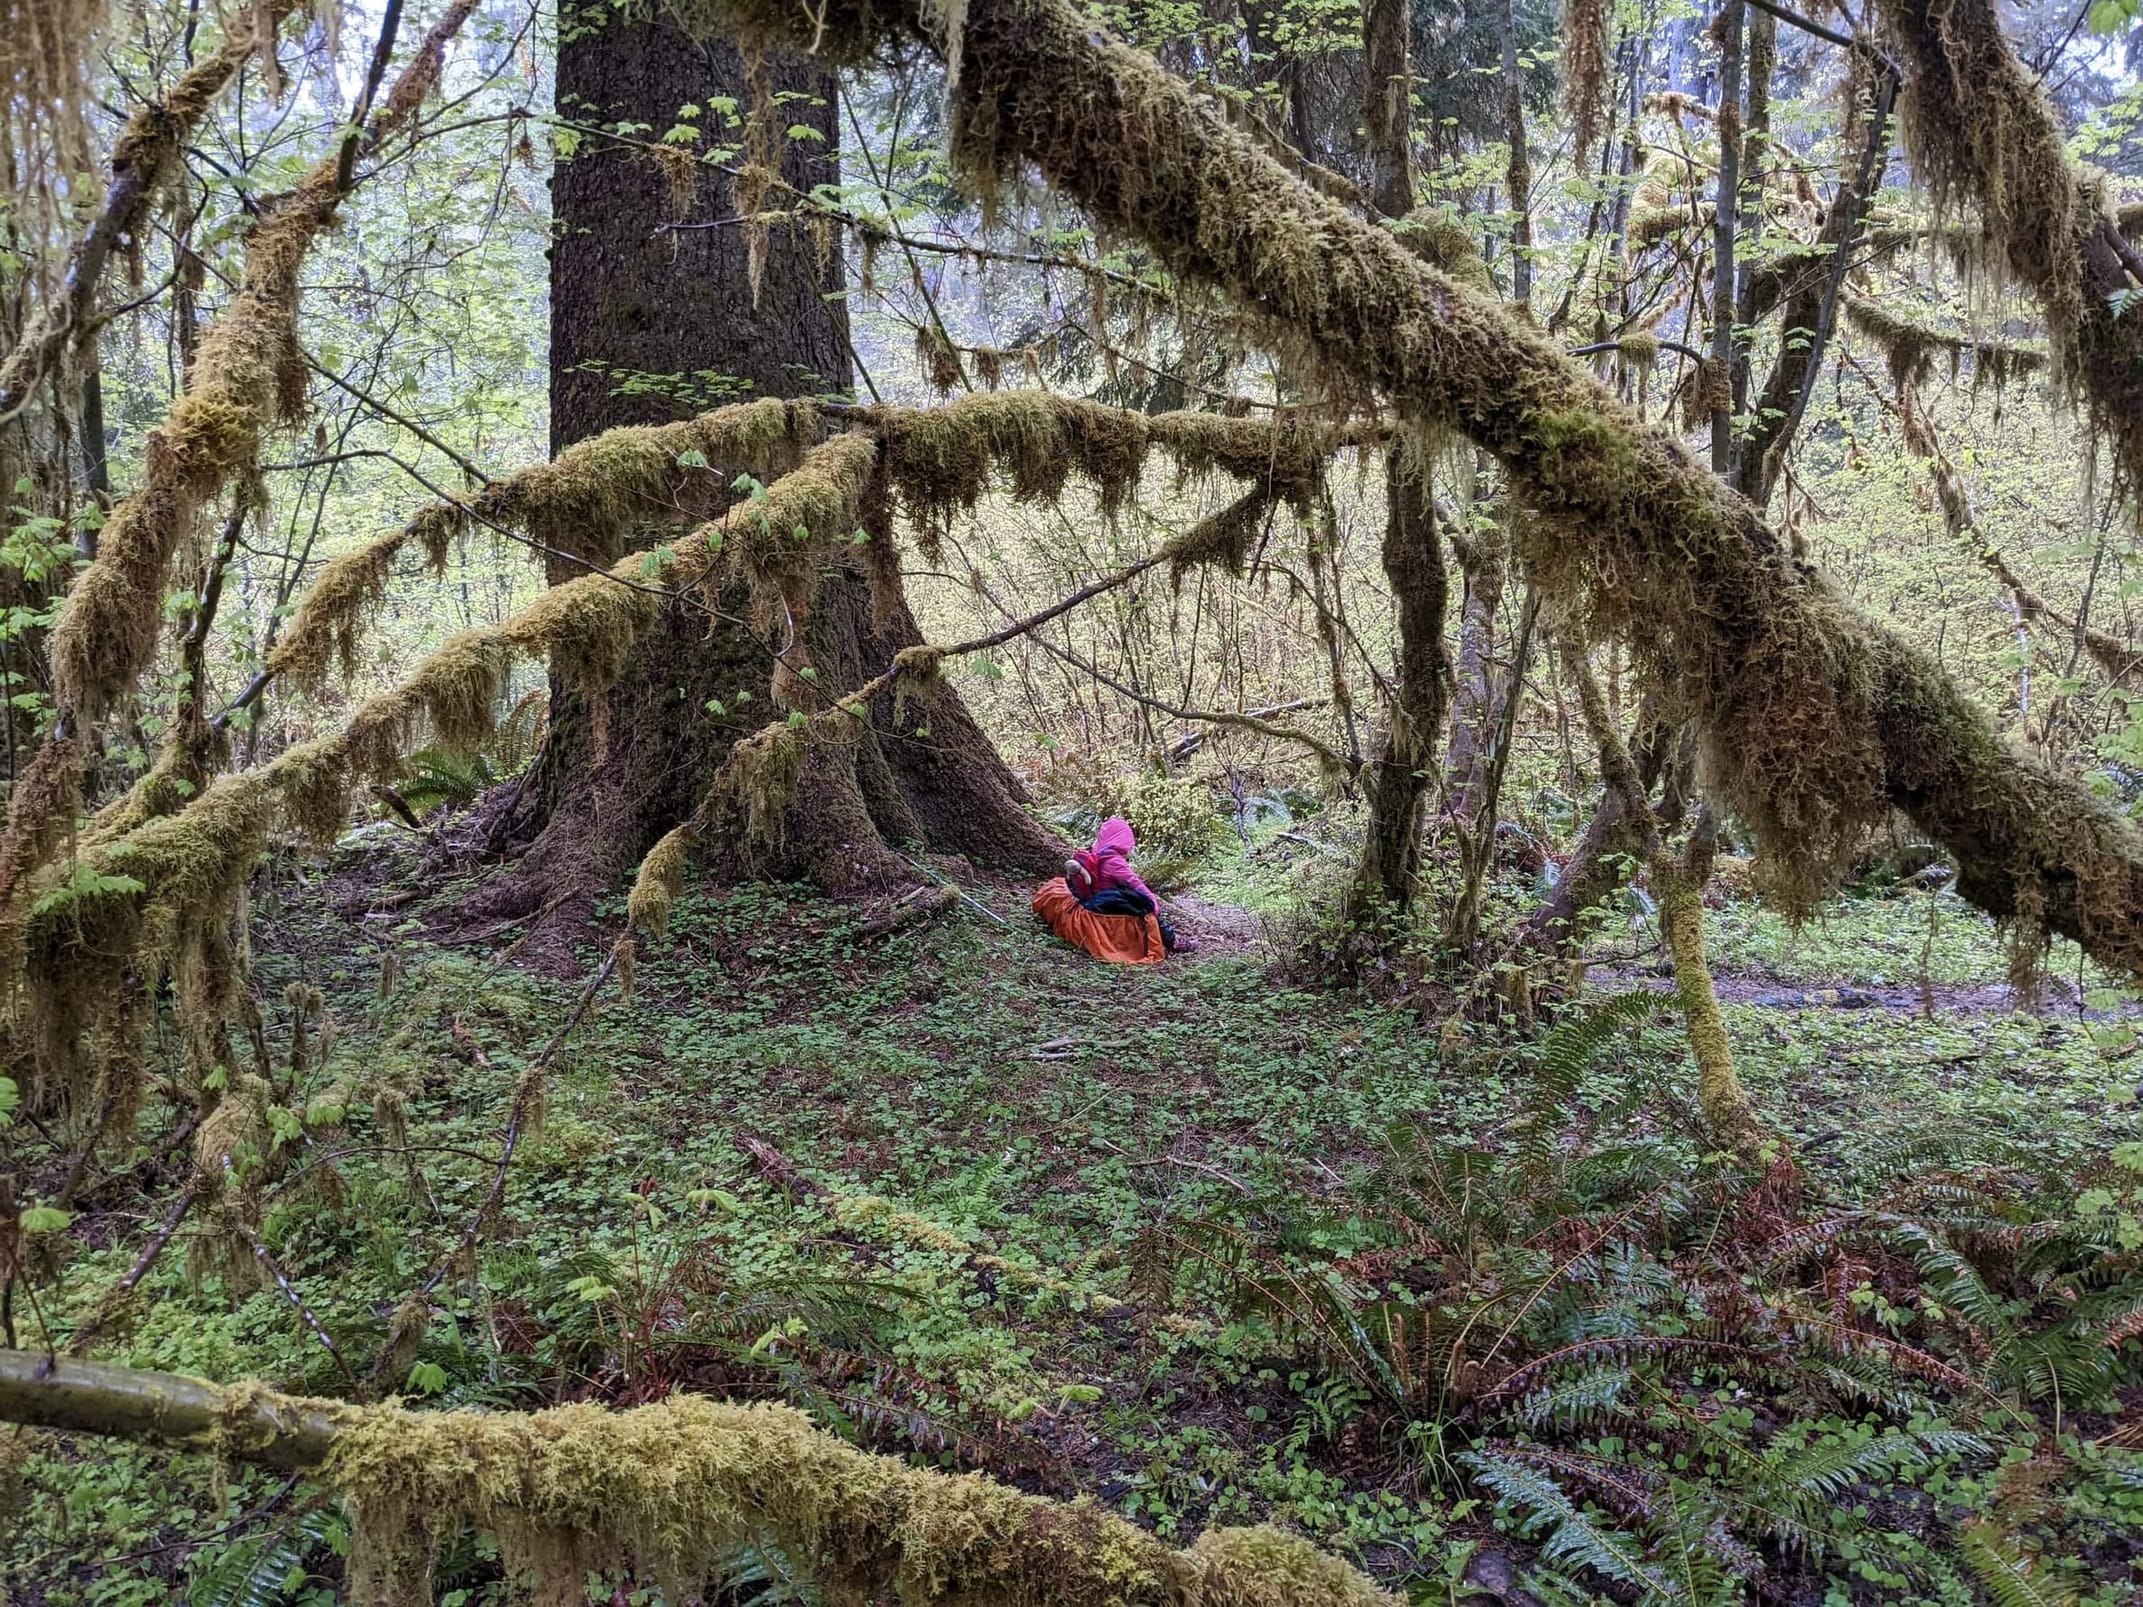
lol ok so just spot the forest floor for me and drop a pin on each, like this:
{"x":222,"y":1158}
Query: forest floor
{"x":967,"y":1194}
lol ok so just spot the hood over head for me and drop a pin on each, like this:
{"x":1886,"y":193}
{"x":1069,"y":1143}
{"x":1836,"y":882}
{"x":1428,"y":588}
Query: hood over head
{"x":1115,"y":837}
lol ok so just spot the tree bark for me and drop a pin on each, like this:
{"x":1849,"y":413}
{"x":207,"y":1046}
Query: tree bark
{"x":650,"y":325}
{"x":1814,"y":721}
{"x":1396,"y":780}
{"x":1387,"y":106}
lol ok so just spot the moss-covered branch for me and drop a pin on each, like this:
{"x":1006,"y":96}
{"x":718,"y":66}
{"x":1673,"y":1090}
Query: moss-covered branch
{"x":247,"y":374}
{"x":162,"y":891}
{"x":1980,"y":131}
{"x":141,"y":161}
{"x":674,"y":1489}
{"x":1815,"y":722}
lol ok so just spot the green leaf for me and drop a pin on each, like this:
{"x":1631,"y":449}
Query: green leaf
{"x":693,"y":459}
{"x":2110,"y":16}
{"x":45,"y":1219}
{"x":427,"y":1378}
{"x":86,"y":882}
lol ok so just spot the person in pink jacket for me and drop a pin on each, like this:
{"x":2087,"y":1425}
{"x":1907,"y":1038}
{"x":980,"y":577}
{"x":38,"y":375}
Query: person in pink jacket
{"x":1102,"y":879}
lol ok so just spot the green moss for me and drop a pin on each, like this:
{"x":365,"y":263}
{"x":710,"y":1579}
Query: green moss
{"x":673,"y":1488}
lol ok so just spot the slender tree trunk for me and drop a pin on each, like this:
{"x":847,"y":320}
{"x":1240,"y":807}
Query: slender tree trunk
{"x":1679,"y":884}
{"x":1749,"y":224}
{"x":1809,"y":312}
{"x":1484,"y":557}
{"x":1398,"y":778}
{"x":1725,"y":209}
{"x":1612,"y":844}
{"x":1518,"y":172}
{"x":1387,"y":106}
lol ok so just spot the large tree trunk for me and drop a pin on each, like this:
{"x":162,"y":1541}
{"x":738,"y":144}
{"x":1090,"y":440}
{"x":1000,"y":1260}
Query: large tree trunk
{"x":650,"y":325}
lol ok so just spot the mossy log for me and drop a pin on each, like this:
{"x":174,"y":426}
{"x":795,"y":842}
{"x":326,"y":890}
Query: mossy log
{"x":673,"y":1489}
{"x":1815,"y":722}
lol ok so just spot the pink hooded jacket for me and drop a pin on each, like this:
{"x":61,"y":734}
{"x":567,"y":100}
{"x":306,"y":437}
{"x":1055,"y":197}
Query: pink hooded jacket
{"x":1113,"y":846}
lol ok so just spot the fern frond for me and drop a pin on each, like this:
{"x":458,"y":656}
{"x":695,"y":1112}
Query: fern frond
{"x":1569,"y":1535}
{"x":2009,"y":1576}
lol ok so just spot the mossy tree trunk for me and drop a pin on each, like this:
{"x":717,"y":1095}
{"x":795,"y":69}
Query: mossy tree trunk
{"x":1387,"y":106}
{"x":1398,"y":778}
{"x":1721,"y":1100}
{"x":652,"y":324}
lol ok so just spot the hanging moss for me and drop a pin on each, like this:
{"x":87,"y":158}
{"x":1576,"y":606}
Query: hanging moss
{"x":1910,"y":349}
{"x":940,"y":360}
{"x":1981,"y":133}
{"x":1585,"y":73}
{"x":581,"y":499}
{"x":334,"y":612}
{"x":662,"y":874}
{"x":941,"y":460}
{"x":1814,"y":723}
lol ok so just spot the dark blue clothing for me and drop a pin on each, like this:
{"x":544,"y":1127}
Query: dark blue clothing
{"x":1123,"y":901}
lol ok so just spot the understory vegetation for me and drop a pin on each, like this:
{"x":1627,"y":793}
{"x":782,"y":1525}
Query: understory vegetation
{"x":572,"y":566}
{"x":1216,"y":1248}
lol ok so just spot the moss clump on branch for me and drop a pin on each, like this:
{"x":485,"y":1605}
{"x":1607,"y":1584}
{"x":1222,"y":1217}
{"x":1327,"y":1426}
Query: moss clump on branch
{"x":335,"y":610}
{"x":1439,"y":237}
{"x":1226,"y":538}
{"x":662,"y":874}
{"x":579,"y":500}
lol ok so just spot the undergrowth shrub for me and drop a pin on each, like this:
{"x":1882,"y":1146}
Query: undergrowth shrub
{"x":1690,"y":1380}
{"x":1174,"y":817}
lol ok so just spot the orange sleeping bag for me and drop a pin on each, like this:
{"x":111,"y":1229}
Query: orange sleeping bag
{"x":1119,"y":939}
